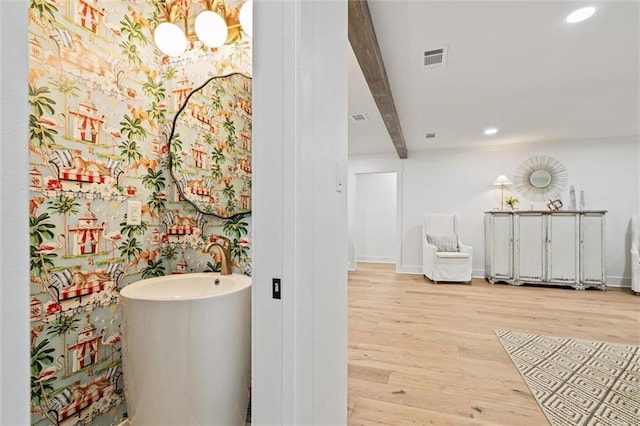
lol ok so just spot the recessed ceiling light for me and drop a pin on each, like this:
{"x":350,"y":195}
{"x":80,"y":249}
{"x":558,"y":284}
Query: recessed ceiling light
{"x":580,"y":14}
{"x":490,"y":131}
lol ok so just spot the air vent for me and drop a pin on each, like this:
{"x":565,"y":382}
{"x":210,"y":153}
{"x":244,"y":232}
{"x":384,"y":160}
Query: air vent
{"x":430,"y":135}
{"x":435,"y":58}
{"x":359,"y":117}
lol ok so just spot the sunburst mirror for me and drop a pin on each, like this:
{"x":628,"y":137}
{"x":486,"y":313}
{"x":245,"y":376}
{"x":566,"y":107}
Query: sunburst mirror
{"x":541,"y":178}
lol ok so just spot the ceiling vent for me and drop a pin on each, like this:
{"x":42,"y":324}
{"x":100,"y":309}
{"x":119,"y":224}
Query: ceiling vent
{"x":430,"y":135}
{"x":359,"y":117}
{"x":435,"y":58}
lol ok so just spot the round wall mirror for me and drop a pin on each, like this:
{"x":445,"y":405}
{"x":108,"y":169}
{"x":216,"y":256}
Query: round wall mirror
{"x":210,"y":147}
{"x":540,"y":178}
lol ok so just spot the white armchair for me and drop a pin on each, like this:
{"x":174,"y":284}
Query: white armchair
{"x":444,"y":257}
{"x":635,"y":256}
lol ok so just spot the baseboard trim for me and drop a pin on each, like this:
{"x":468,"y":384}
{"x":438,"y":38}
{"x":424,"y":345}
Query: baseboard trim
{"x":376,"y":259}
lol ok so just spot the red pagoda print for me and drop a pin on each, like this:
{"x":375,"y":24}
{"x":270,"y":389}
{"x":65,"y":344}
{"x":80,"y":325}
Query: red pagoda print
{"x":85,"y":351}
{"x":86,"y":236}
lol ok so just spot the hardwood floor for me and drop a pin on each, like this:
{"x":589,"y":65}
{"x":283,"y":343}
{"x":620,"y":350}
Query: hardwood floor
{"x":426,"y":354}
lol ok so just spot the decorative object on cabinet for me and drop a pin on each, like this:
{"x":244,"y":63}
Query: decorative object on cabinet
{"x":502,"y":180}
{"x":635,"y":254}
{"x":210,"y":147}
{"x":572,"y":198}
{"x":540,"y":247}
{"x":438,"y":264}
{"x":512,"y":202}
{"x":541,"y":178}
{"x":554,"y":205}
{"x":582,"y":200}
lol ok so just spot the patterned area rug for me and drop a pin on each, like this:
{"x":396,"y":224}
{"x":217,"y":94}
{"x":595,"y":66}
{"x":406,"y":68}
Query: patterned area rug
{"x":578,"y":382}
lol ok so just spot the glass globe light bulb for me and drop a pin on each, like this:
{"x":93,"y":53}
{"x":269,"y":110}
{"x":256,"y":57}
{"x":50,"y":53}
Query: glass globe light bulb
{"x":211,"y":29}
{"x":170,"y":39}
{"x":246,"y":17}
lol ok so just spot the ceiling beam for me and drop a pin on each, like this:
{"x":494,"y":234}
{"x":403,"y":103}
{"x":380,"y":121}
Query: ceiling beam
{"x":364,"y":43}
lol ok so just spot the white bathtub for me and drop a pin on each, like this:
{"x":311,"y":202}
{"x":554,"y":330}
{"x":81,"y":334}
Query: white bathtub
{"x":187,"y":349}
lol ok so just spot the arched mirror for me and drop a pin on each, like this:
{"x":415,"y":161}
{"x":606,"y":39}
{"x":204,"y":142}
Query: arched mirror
{"x":210,"y":147}
{"x":541,"y":178}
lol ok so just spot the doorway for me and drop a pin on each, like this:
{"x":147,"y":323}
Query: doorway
{"x":376,"y":218}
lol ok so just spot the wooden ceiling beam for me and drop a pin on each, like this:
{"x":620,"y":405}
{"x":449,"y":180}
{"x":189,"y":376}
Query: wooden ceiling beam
{"x":364,"y":43}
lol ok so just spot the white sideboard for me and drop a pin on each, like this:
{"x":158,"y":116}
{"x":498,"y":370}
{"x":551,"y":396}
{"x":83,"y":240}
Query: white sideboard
{"x":563,"y":248}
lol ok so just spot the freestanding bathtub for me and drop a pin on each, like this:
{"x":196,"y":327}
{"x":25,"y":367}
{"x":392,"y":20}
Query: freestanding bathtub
{"x":187,"y":349}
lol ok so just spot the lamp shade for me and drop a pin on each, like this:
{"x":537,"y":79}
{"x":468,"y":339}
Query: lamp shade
{"x":246,"y":17}
{"x":502,"y":180}
{"x":211,"y":29}
{"x":170,"y":39}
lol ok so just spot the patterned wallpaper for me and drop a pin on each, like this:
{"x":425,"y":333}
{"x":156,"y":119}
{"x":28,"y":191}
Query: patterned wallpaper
{"x":101,"y":101}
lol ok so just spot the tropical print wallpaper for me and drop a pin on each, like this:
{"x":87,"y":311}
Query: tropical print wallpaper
{"x":101,"y":101}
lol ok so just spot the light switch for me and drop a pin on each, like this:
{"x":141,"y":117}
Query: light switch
{"x":134,"y":212}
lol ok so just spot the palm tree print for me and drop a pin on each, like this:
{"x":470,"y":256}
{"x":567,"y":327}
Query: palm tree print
{"x":40,"y":358}
{"x":156,"y":203}
{"x":236,"y":227}
{"x":216,"y":103}
{"x":39,"y":101}
{"x":231,"y":142}
{"x":229,"y":192}
{"x":153,"y":269}
{"x":154,"y":180}
{"x":170,"y":252}
{"x":133,"y":230}
{"x":171,"y":72}
{"x":61,"y":327}
{"x":64,"y":205}
{"x":40,"y":228}
{"x":65,"y":85}
{"x":213,"y":268}
{"x":130,"y":50}
{"x":43,"y":9}
{"x":130,"y":248}
{"x":217,"y":156}
{"x":132,"y":128}
{"x":156,"y":113}
{"x":208,"y":138}
{"x":43,"y":135}
{"x":133,"y":31}
{"x":176,"y":143}
{"x":40,"y":262}
{"x":130,"y":150}
{"x":229,"y":127}
{"x":239,"y":251}
{"x":154,"y":89}
{"x":230,"y":206}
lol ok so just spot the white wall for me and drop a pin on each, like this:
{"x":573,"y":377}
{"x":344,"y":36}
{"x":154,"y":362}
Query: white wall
{"x":376,"y":217}
{"x":14,"y":248}
{"x":299,"y":226}
{"x":460,"y":180}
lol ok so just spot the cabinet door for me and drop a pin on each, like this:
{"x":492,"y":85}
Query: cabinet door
{"x":501,"y":244}
{"x":562,"y":246}
{"x":592,"y":248}
{"x":530,"y":246}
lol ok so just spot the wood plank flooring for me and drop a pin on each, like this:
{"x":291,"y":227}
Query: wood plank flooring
{"x":426,"y":354}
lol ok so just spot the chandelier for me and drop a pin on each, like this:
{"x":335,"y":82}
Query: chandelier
{"x":217,"y":25}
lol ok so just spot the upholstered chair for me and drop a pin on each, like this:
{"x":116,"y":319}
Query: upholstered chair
{"x":635,"y":256}
{"x":444,"y":257}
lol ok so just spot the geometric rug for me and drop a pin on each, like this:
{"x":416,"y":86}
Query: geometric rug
{"x":578,"y":382}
